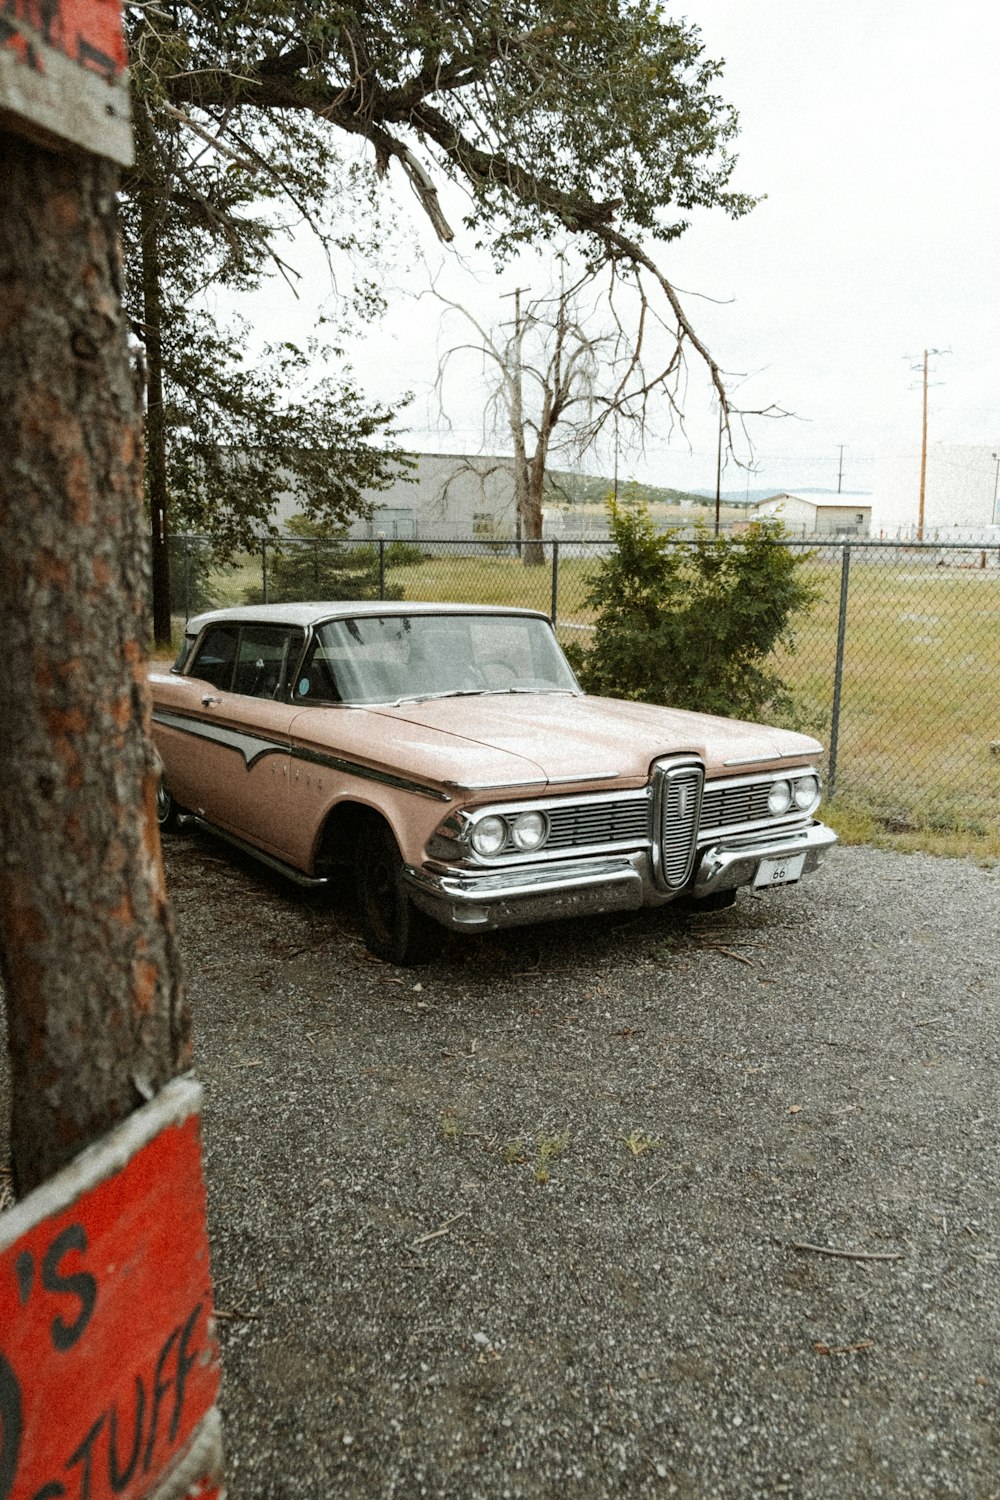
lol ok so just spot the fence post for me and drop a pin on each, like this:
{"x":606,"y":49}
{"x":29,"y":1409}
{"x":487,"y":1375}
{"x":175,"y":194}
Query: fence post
{"x":838,"y":671}
{"x":381,"y":567}
{"x":263,"y":565}
{"x":555,"y":581}
{"x":187,"y":579}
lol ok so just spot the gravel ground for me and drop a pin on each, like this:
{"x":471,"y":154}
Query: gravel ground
{"x":555,"y":1215}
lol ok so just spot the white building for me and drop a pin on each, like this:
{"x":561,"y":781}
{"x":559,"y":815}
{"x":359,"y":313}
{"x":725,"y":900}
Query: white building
{"x":444,"y":496}
{"x":833,"y":515}
{"x":960,"y":494}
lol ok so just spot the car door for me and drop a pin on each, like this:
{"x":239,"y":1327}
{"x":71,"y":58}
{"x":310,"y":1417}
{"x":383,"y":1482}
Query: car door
{"x":228,"y":758}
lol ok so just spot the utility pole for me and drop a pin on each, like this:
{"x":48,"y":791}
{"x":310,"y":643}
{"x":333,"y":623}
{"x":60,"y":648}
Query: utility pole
{"x":923,"y":439}
{"x":840,"y":469}
{"x":923,"y":459}
{"x":996,"y":487}
{"x":718,"y":475}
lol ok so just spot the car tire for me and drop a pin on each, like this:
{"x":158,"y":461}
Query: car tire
{"x":393,"y":928}
{"x":167,"y":811}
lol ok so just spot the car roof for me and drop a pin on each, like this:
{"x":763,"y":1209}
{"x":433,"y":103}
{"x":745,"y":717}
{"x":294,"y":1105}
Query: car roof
{"x":305,"y":615}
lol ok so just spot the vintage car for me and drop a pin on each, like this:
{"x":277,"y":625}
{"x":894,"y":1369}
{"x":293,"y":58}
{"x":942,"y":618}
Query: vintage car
{"x":445,"y":757}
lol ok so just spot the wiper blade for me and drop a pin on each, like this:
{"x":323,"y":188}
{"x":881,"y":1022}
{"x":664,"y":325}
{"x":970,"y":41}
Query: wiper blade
{"x":447,"y":693}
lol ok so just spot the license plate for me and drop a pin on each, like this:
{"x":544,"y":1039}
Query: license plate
{"x":779,"y":871}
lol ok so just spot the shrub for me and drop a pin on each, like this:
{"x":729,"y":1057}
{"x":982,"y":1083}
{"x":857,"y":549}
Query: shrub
{"x":692,"y":624}
{"x":316,"y":563}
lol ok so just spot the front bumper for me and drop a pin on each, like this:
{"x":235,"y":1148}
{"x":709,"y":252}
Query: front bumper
{"x":732,"y":862}
{"x":480,"y":899}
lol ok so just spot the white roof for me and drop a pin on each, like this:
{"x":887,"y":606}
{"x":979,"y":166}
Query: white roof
{"x":305,"y":615}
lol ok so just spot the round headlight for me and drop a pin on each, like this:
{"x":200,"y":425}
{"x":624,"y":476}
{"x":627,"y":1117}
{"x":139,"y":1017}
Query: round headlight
{"x":528,"y":831}
{"x":779,"y":799}
{"x":489,"y":836}
{"x":806,"y":791}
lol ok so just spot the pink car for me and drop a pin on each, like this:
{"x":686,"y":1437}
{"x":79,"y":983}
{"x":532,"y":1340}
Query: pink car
{"x":446,"y":757}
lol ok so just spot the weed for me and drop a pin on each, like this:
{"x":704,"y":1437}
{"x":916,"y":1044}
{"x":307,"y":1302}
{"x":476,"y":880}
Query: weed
{"x":450,"y":1126}
{"x":638,"y":1142}
{"x":550,"y":1148}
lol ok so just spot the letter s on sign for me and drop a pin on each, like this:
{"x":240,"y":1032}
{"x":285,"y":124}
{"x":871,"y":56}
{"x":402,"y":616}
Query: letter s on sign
{"x":10,"y":1427}
{"x":81,"y":1284}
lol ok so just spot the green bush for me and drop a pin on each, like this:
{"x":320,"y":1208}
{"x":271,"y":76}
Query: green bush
{"x":693,"y":624}
{"x":316,"y":563}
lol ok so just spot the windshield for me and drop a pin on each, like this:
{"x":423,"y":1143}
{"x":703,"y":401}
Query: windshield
{"x":386,"y":658}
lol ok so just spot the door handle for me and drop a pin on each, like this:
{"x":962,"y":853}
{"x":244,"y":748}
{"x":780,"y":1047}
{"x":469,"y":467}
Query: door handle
{"x":209,"y":699}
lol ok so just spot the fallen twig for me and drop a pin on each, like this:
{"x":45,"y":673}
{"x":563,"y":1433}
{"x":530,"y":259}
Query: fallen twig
{"x":849,"y":1254}
{"x":236,"y":1315}
{"x":932,"y":1020}
{"x":437,"y":1233}
{"x":844,"y":1348}
{"x":728,"y":953}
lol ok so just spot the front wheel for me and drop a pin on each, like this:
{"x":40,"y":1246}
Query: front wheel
{"x":167,"y":811}
{"x":393,"y":928}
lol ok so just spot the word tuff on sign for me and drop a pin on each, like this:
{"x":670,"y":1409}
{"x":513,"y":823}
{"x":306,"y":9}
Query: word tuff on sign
{"x":109,"y":1366}
{"x":63,"y":75}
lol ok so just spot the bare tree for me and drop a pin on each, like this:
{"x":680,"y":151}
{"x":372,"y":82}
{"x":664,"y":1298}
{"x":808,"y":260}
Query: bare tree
{"x":569,"y":364}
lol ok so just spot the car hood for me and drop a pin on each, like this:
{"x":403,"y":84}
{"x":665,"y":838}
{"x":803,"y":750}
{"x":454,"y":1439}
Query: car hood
{"x":561,"y":738}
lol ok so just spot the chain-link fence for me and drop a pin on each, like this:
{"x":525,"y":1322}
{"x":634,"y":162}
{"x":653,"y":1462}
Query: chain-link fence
{"x":896,"y":668}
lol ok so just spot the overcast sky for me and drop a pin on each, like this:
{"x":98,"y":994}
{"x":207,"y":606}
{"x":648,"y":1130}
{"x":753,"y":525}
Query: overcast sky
{"x":872,"y":127}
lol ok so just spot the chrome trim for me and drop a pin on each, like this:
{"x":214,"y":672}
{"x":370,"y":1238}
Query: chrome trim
{"x":493,"y":786}
{"x":718,"y":787}
{"x":368,"y":773}
{"x":499,"y":786}
{"x":253,"y":747}
{"x":763,"y":760}
{"x":458,"y":825}
{"x":680,"y":778}
{"x":734,"y":862}
{"x":289,"y":871}
{"x":486,"y":885}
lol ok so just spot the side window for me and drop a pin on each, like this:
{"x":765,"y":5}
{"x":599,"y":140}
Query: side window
{"x":266,"y":658}
{"x":317,"y":681}
{"x":216,"y":656}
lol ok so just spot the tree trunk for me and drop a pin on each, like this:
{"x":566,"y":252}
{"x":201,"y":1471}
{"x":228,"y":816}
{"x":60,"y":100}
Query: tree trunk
{"x":534,"y":550}
{"x":529,"y":514}
{"x":97,"y":1019}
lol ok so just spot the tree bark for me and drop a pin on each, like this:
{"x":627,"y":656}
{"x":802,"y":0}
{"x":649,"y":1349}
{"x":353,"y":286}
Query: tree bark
{"x":97,"y":1019}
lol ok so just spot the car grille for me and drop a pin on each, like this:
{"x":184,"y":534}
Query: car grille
{"x":723,"y":805}
{"x":599,"y":823}
{"x":679,"y":804}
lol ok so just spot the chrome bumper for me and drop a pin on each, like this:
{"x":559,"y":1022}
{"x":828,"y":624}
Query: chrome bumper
{"x":486,"y":899}
{"x":734,"y":861}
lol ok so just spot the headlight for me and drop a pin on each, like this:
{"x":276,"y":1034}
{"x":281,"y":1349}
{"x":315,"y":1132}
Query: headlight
{"x":806,"y":792}
{"x":529,"y":831}
{"x":489,"y":836}
{"x":779,"y":799}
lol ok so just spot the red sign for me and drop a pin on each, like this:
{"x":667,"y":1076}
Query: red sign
{"x":62,"y":74}
{"x":109,"y":1367}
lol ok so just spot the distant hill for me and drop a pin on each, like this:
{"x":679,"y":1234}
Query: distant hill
{"x":588,"y":489}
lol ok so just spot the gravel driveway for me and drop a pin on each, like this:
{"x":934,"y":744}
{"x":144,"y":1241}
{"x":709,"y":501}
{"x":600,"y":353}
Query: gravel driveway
{"x":638,"y":1207}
